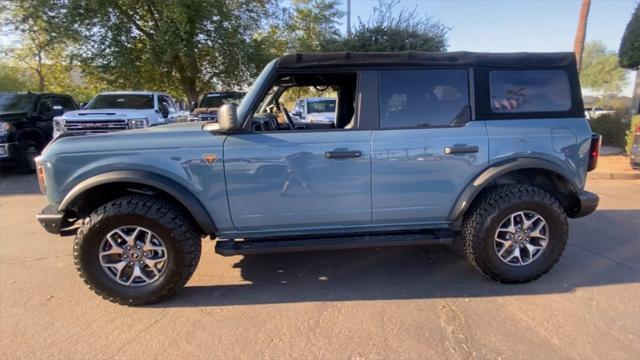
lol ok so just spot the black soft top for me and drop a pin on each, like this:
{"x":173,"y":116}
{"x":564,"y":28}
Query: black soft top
{"x":418,"y":58}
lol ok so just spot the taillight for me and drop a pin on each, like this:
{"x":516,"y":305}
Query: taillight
{"x":594,"y":151}
{"x":42,"y":181}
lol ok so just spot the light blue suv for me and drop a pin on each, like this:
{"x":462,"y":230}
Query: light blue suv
{"x":488,"y":152}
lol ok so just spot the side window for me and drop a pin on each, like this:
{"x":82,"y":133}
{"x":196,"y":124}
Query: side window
{"x":66,"y":103}
{"x":423,"y":98}
{"x":529,"y":91}
{"x":45,"y":107}
{"x":298,"y":107}
{"x":167,"y":102}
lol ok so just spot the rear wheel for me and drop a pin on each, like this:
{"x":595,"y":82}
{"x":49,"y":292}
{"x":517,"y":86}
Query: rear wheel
{"x":515,"y":233}
{"x":136,"y":250}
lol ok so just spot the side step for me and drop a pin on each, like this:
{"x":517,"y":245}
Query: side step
{"x":274,"y":245}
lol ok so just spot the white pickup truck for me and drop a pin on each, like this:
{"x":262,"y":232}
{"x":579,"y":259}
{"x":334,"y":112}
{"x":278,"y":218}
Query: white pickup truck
{"x":119,"y":110}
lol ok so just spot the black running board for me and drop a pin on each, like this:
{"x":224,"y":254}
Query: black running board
{"x":265,"y":246}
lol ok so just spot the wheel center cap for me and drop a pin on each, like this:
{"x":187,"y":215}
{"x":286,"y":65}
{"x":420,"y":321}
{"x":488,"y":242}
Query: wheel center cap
{"x":519,"y":238}
{"x":135,"y":255}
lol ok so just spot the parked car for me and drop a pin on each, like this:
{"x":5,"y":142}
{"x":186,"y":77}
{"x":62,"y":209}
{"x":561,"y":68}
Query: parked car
{"x":315,"y":110}
{"x":635,"y":151}
{"x":26,"y":124}
{"x":592,"y":113}
{"x":206,"y":109}
{"x":507,"y":130}
{"x":118,"y":110}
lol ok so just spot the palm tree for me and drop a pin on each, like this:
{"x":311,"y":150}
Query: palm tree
{"x":578,"y":44}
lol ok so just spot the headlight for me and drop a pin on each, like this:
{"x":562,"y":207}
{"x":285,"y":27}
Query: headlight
{"x":138,"y":123}
{"x":4,"y":128}
{"x":58,"y":126}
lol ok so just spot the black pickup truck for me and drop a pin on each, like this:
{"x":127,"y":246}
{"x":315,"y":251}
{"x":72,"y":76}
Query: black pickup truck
{"x":26,"y":125}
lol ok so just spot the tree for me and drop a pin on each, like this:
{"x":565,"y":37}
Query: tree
{"x":10,"y":79}
{"x":41,"y":40}
{"x":187,"y":46}
{"x":600,"y":70}
{"x":407,"y":31}
{"x":629,"y":54}
{"x":578,"y":44}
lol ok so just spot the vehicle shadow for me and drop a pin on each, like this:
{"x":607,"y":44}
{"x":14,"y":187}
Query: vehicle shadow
{"x":13,"y":183}
{"x":424,"y":272}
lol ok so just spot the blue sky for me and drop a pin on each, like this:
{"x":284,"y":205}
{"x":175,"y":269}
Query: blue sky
{"x":514,"y":25}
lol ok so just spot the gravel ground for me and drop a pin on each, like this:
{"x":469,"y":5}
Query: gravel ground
{"x":388,"y":303}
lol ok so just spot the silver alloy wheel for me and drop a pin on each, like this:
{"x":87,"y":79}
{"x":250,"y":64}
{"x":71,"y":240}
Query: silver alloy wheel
{"x":521,"y":238}
{"x":133,"y":255}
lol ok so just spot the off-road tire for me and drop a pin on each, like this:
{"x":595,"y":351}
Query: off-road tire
{"x":490,"y":209}
{"x":180,"y":237}
{"x":24,"y":163}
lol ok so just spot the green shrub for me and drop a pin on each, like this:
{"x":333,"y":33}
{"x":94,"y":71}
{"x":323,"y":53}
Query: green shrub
{"x":635,"y":125}
{"x":612,"y":129}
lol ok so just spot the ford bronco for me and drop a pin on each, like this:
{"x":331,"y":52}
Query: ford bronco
{"x":487,"y":152}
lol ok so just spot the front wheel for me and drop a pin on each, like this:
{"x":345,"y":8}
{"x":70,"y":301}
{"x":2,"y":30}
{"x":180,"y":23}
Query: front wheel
{"x":27,"y":153}
{"x":515,"y":233}
{"x":136,"y":250}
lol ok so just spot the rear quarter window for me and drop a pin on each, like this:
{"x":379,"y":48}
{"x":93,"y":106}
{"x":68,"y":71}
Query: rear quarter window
{"x":529,"y":91}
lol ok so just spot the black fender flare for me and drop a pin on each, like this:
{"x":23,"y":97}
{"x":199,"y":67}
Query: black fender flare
{"x":495,"y":171}
{"x":177,"y":191}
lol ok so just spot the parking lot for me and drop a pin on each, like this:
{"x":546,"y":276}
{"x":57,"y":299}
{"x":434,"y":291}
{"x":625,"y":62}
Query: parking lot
{"x":416,"y":302}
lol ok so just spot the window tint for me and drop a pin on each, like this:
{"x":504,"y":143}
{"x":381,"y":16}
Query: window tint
{"x":529,"y":91}
{"x":321,"y":106}
{"x":121,"y":101}
{"x":216,"y":100}
{"x":66,"y":103}
{"x":417,"y":98}
{"x":46,"y":105}
{"x":167,"y":102}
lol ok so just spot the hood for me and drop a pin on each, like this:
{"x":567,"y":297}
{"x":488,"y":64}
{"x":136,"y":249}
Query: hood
{"x":107,"y":114}
{"x":175,"y":135}
{"x":198,"y":111}
{"x":324,"y":116}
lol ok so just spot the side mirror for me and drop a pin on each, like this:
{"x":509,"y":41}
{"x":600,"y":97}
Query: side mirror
{"x":57,"y":111}
{"x":193,"y":106}
{"x":228,"y":118}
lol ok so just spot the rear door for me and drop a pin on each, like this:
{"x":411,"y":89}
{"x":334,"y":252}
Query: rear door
{"x":425,"y":150}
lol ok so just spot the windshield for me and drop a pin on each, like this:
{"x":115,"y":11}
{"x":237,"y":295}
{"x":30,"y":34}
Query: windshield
{"x":217,"y":100}
{"x":255,"y":90}
{"x":16,"y":102}
{"x":121,"y":101}
{"x":321,"y":106}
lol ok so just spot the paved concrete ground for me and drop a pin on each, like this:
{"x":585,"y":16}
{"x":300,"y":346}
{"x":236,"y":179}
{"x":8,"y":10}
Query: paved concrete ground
{"x":389,"y":303}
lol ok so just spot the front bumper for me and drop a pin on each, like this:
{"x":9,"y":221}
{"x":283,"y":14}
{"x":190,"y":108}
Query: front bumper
{"x":587,"y":203}
{"x":52,"y":220}
{"x":8,"y":150}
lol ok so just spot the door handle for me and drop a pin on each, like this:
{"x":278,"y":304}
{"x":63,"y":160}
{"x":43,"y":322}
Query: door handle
{"x":461,"y":149}
{"x":342,"y":154}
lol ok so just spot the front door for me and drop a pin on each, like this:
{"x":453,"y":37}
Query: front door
{"x":298,"y":180}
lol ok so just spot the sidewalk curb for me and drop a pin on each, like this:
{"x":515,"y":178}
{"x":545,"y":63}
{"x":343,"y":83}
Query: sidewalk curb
{"x":613,"y":176}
